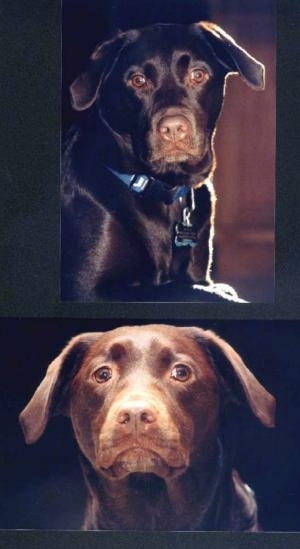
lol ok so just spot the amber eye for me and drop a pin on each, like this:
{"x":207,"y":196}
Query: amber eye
{"x":198,"y":76}
{"x":103,"y":374}
{"x":138,"y":80}
{"x":181,"y":372}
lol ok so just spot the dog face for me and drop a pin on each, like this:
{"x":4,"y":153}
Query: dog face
{"x":172,"y":89}
{"x":143,"y":399}
{"x":160,"y":91}
{"x":155,"y":401}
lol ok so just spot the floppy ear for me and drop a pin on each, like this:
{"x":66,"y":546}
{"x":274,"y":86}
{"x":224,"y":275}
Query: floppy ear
{"x":85,"y":88}
{"x":260,"y":401}
{"x":232,"y":56}
{"x":48,"y":396}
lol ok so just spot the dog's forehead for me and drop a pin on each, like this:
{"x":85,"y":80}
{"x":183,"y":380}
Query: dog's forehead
{"x":163,"y":340}
{"x":163,"y":41}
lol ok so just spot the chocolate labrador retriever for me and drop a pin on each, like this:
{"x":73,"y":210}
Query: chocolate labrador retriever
{"x":137,"y":195}
{"x":148,"y":406}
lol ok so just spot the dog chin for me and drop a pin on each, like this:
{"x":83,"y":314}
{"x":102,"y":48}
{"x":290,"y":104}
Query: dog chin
{"x":176,"y":157}
{"x":180,"y":174}
{"x":171,"y":162}
{"x":182,"y":164}
{"x":143,"y":461}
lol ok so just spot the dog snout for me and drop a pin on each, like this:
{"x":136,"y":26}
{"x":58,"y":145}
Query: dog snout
{"x":174,"y":128}
{"x":136,"y":415}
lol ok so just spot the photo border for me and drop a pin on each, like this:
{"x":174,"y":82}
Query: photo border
{"x":30,"y":151}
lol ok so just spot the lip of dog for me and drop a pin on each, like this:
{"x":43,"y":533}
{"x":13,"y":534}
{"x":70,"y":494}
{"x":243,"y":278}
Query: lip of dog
{"x":143,"y":460}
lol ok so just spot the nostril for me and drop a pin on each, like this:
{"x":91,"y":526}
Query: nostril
{"x":181,"y":131}
{"x":147,"y":417}
{"x":123,"y":417}
{"x":163,"y":128}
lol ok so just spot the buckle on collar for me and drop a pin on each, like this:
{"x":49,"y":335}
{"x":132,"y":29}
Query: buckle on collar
{"x":139,"y":183}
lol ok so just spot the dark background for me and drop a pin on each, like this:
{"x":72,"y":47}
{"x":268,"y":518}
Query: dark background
{"x":41,"y":483}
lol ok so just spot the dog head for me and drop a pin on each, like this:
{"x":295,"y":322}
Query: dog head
{"x":144,"y":399}
{"x":159,"y":91}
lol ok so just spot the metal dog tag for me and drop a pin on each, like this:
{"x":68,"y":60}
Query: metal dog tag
{"x":185,"y":232}
{"x":185,"y":236}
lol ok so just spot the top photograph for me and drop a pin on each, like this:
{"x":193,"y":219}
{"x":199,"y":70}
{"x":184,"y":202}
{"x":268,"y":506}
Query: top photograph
{"x":168,"y":151}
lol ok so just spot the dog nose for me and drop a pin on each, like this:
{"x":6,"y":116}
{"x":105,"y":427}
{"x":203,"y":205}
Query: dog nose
{"x":173,"y":128}
{"x":136,"y":414}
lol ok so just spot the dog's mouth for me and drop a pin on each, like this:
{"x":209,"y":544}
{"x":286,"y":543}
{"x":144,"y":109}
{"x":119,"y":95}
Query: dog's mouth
{"x":182,"y":168}
{"x":191,"y":148}
{"x":173,"y":155}
{"x":186,"y":161}
{"x":144,"y":461}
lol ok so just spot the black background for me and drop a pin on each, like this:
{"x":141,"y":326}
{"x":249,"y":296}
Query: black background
{"x":30,"y":150}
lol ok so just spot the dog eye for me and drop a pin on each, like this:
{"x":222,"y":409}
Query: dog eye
{"x":138,"y":80}
{"x":103,"y":374}
{"x":198,"y":76}
{"x":181,"y":372}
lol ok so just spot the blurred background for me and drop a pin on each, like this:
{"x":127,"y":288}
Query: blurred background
{"x":41,"y":484}
{"x":245,"y":139}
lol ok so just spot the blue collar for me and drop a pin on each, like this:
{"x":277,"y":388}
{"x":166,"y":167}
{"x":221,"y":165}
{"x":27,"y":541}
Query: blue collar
{"x":148,"y":187}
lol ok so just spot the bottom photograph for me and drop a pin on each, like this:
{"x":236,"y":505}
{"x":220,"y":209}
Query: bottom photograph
{"x":168,"y":426}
